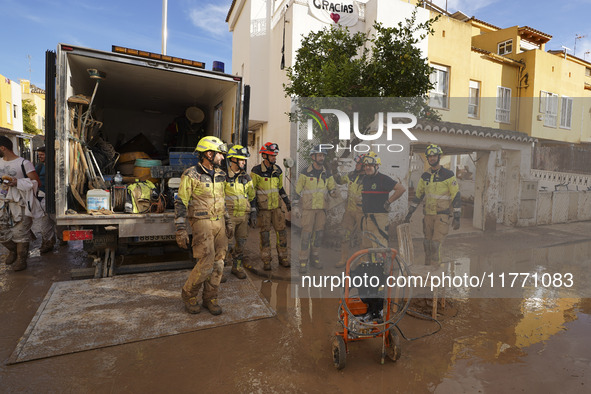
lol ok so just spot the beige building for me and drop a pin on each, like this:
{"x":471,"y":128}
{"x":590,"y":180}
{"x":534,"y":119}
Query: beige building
{"x":37,"y":97}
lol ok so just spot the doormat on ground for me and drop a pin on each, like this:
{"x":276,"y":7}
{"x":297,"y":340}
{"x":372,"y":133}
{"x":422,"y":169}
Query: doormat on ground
{"x":95,"y":313}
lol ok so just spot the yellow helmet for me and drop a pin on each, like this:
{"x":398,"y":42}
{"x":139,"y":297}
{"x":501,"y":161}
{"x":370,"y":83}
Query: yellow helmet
{"x":433,"y":150}
{"x":211,"y":143}
{"x":372,"y":158}
{"x":239,"y":152}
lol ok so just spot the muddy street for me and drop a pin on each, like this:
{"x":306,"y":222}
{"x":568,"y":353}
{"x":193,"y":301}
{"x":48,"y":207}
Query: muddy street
{"x":535,"y":343}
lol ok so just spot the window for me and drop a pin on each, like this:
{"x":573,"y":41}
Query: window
{"x":440,"y":80}
{"x":549,"y":107}
{"x":505,"y":47}
{"x":588,"y":71}
{"x":474,"y":100}
{"x":15,"y":109}
{"x":8,"y":113}
{"x":566,"y":112}
{"x":503,"y":113}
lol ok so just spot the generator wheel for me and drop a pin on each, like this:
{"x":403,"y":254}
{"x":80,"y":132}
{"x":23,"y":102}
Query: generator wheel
{"x":339,"y":352}
{"x":393,"y":350}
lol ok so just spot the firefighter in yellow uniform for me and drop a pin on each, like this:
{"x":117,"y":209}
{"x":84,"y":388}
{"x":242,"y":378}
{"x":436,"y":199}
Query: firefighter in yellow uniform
{"x":201,"y":202}
{"x":239,"y":192}
{"x":439,"y":188}
{"x":353,"y":212}
{"x":267,"y":179}
{"x":314,"y":183}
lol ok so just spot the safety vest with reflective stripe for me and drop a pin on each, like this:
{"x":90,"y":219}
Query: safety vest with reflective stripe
{"x":440,"y":190}
{"x":239,"y":192}
{"x":202,"y":195}
{"x":313,"y":187}
{"x":267,"y":183}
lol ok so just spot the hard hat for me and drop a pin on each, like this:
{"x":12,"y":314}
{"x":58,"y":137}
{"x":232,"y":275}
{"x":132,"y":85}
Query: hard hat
{"x":211,"y":143}
{"x":239,"y":152}
{"x":359,"y":158}
{"x":317,"y":149}
{"x":433,"y":150}
{"x":270,"y":148}
{"x":372,"y":159}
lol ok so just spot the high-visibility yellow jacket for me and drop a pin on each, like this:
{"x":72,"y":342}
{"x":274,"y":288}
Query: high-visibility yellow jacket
{"x":313,"y":186}
{"x":200,"y":195}
{"x":354,"y":183}
{"x":268,"y":185}
{"x":239,"y":192}
{"x":440,"y":190}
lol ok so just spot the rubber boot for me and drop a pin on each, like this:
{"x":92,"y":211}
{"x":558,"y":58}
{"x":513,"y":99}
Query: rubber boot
{"x":47,"y":246}
{"x":22,"y":253}
{"x":316,"y":261}
{"x":284,"y":262}
{"x":11,"y":256}
{"x":237,"y":269}
{"x":210,"y":302}
{"x":191,"y":303}
{"x":435,"y":252}
{"x":303,"y":267}
{"x":427,"y":247}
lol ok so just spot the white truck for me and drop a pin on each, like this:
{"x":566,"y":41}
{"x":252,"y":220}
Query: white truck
{"x":128,"y":93}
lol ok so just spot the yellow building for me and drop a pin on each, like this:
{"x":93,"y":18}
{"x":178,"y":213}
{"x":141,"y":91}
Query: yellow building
{"x":37,"y":97}
{"x":6,"y":118}
{"x":505,"y":79}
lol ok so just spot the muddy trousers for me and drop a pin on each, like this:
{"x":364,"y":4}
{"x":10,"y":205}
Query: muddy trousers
{"x":313,"y":222}
{"x":268,"y":220}
{"x":209,"y":246}
{"x":350,"y":225}
{"x":374,"y":230}
{"x":235,"y":253}
{"x":15,"y":236}
{"x":435,"y":228}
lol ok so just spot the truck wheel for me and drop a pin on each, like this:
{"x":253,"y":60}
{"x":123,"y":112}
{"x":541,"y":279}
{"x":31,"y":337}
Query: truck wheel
{"x":393,"y":351}
{"x":339,"y":352}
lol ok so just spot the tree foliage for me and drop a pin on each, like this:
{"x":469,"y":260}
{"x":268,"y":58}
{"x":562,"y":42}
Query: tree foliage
{"x":335,"y":63}
{"x":29,"y":111}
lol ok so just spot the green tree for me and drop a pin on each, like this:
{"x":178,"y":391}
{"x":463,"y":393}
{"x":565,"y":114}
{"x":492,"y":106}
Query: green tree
{"x":334,"y":63}
{"x":29,"y":111}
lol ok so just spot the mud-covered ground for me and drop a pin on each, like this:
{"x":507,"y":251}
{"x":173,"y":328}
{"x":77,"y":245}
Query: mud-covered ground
{"x":537,"y":343}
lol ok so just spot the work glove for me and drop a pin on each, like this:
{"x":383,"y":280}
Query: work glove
{"x":182,"y":238}
{"x":456,"y":222}
{"x":252,"y":218}
{"x":411,"y":210}
{"x":387,"y":206}
{"x":288,"y":206}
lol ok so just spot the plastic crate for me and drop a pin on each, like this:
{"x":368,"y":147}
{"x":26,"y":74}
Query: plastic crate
{"x":182,"y":156}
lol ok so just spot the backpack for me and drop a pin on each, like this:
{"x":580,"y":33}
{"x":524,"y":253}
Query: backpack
{"x":139,"y":197}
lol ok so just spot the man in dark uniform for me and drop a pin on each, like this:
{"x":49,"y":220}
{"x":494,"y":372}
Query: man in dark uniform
{"x":376,"y":200}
